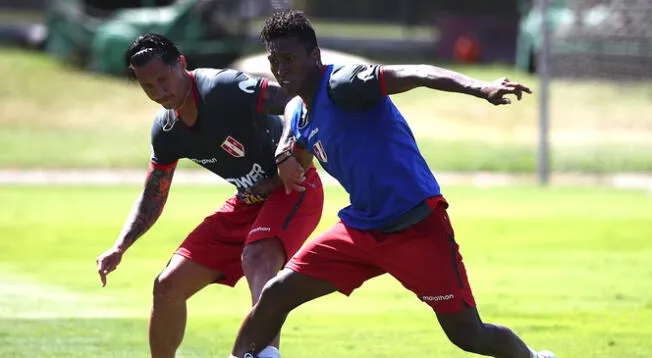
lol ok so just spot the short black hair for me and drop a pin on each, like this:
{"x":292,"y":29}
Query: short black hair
{"x":148,"y":46}
{"x":289,"y":23}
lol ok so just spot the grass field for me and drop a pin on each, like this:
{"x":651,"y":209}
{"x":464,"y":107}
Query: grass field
{"x":567,"y":268}
{"x":52,"y":116}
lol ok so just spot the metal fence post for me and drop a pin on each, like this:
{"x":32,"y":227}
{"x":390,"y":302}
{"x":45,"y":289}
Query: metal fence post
{"x":543,"y":164}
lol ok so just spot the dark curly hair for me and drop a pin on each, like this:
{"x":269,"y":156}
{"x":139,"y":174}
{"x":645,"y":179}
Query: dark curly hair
{"x":148,"y":46}
{"x":289,"y":23}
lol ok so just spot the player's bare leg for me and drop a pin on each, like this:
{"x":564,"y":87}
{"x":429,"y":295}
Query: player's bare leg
{"x":467,"y":331}
{"x":261,"y":261}
{"x":181,"y":279}
{"x":281,"y":295}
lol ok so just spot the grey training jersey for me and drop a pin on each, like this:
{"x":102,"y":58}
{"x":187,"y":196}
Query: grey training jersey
{"x":356,"y":87}
{"x":230,"y":138}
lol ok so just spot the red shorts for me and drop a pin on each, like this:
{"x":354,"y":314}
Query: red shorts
{"x":424,"y":257}
{"x":218,"y":241}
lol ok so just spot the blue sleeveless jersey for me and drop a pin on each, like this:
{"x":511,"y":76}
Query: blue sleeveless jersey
{"x":371,"y":151}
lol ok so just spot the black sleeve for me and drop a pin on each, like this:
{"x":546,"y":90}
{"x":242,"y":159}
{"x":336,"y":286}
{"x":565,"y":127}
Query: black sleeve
{"x":163,"y":152}
{"x":356,"y":86}
{"x":235,"y":87}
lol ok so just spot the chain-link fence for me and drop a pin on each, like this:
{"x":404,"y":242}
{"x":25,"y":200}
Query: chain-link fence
{"x":605,"y":39}
{"x":599,"y":65}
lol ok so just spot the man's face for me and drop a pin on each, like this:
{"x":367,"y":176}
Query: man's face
{"x":163,"y":84}
{"x":291,"y":63}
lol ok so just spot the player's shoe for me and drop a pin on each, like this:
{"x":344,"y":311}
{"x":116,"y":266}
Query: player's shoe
{"x":546,"y":354}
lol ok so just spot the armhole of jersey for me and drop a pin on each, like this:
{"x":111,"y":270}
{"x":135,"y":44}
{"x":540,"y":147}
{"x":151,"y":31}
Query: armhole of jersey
{"x":163,"y":167}
{"x":195,"y":91}
{"x":294,"y":124}
{"x":381,"y":79}
{"x":259,"y":105}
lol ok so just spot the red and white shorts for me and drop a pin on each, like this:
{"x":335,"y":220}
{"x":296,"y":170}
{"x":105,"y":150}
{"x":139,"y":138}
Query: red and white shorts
{"x":218,"y":241}
{"x":424,"y":257}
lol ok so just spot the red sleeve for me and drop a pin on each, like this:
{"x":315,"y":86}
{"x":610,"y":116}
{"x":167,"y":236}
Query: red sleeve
{"x":166,"y":166}
{"x":381,"y":79}
{"x":263,"y":88}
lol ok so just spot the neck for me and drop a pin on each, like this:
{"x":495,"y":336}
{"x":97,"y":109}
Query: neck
{"x":188,"y":109}
{"x":309,"y":90}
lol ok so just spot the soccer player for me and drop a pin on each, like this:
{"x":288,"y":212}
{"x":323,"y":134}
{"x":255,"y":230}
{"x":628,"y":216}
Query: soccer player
{"x":396,"y":222}
{"x":221,"y":120}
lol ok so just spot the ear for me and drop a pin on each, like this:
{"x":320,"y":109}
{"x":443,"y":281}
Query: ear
{"x":183,"y":63}
{"x":315,"y":54}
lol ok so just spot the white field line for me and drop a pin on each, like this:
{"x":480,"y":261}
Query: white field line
{"x":22,"y":296}
{"x":107,"y":177}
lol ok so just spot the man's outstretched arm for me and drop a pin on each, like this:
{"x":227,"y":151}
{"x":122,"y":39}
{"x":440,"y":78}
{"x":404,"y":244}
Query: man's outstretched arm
{"x":145,"y":212}
{"x":149,"y":205}
{"x":402,"y":78}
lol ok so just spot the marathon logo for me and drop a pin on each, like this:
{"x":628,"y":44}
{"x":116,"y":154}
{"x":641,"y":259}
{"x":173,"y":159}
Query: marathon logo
{"x":438,"y":298}
{"x":260,"y":229}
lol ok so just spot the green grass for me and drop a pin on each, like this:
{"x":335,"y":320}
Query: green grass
{"x":569,"y":269}
{"x":56,"y":117}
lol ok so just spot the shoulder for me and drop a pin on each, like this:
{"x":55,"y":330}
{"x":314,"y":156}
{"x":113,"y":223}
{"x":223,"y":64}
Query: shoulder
{"x":356,"y":86}
{"x":227,"y":85}
{"x":211,"y":78}
{"x":352,"y":73}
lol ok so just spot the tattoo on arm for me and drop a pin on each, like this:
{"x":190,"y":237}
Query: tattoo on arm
{"x":149,"y":206}
{"x":274,"y":99}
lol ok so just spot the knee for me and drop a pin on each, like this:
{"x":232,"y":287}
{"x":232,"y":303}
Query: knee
{"x":165,"y":291}
{"x":264,"y":257}
{"x":272,"y":297}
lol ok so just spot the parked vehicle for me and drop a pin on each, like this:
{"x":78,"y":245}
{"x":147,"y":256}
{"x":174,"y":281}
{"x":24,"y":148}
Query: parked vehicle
{"x":95,"y":34}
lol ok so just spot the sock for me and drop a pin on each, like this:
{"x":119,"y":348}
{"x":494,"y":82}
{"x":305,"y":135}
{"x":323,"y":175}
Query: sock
{"x":269,"y":352}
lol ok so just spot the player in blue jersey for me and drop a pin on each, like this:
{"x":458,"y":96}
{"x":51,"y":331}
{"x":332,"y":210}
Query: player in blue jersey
{"x":227,"y":122}
{"x":396,"y":222}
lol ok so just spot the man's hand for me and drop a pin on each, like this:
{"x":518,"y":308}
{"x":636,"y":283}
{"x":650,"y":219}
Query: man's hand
{"x":292,"y":174}
{"x":496,"y":91}
{"x":108,"y":261}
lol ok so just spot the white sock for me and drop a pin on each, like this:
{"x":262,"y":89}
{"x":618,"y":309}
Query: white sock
{"x":269,"y":352}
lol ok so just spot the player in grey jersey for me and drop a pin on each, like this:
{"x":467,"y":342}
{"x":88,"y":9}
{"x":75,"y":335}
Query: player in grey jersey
{"x":225,"y":121}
